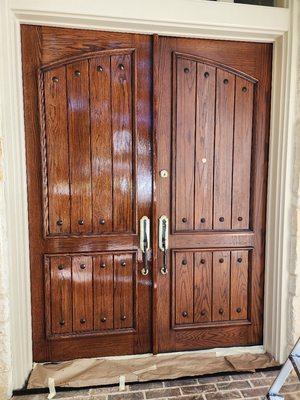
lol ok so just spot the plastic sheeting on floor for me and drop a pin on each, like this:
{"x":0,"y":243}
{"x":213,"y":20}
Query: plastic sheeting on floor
{"x":120,"y":370}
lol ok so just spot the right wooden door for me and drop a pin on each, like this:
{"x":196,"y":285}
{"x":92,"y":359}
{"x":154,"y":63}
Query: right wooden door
{"x":211,"y":116}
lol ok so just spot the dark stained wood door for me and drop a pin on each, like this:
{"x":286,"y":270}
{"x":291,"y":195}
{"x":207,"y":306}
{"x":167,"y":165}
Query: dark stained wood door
{"x":87,"y":99}
{"x":100,"y":109}
{"x":211,"y":116}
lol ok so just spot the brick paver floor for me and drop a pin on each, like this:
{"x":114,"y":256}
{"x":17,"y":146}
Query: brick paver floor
{"x":235,"y":386}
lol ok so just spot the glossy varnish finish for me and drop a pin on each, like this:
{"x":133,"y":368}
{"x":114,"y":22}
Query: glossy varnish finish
{"x":88,"y":139}
{"x":211,"y":104}
{"x":100,"y":110}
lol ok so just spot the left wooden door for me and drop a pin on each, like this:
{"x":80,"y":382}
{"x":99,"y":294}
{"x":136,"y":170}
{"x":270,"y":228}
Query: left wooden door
{"x":87,"y":98}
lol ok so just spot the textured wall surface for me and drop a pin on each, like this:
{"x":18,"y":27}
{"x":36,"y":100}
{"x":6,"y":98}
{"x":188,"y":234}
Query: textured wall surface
{"x":5,"y":353}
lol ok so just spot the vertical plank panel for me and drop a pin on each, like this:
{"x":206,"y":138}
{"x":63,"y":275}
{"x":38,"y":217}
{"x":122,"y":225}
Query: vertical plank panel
{"x":184,"y":277}
{"x":205,"y":131}
{"x":123,"y":291}
{"x":122,"y":131}
{"x":79,"y":139}
{"x":103,"y":291}
{"x":82,"y":274}
{"x":242,"y":153}
{"x":221,"y":285}
{"x":202,"y":286}
{"x":61,"y":294}
{"x":223,"y":149}
{"x":101,"y":140}
{"x":57,"y":150}
{"x":239,"y":284}
{"x":185,"y":143}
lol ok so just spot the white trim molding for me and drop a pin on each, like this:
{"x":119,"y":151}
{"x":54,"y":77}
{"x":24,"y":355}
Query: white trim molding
{"x":191,"y":18}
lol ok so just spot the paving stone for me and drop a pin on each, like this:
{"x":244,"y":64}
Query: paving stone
{"x":198,"y":389}
{"x":213,"y":379}
{"x":255,"y":392}
{"x":157,"y":394}
{"x":126,"y":396}
{"x":105,"y":389}
{"x":233,"y":385}
{"x":145,"y":385}
{"x":223,"y":395}
{"x":291,"y":388}
{"x":181,"y":382}
{"x":251,"y":375}
{"x":262,"y":382}
{"x":272,"y":373}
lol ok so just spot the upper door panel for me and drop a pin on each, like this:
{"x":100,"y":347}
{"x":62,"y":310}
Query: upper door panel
{"x":88,"y":128}
{"x":212,"y":135}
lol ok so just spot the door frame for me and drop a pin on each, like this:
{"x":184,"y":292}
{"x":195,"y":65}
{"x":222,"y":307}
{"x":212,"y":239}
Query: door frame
{"x":216,"y":20}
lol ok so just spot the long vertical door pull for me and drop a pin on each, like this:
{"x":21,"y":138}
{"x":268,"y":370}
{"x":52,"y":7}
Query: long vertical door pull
{"x":145,"y":242}
{"x":163,"y":241}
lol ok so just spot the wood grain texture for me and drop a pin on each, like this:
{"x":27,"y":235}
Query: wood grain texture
{"x":123,"y":291}
{"x":221,"y":285}
{"x":242,"y":154}
{"x":103,"y":286}
{"x":184,"y":151}
{"x":122,"y":131}
{"x":82,"y":290}
{"x":239,"y":285}
{"x":223,"y":149}
{"x":202,"y":286}
{"x":184,"y":282}
{"x":58,"y":184}
{"x":79,"y":139}
{"x":60,"y":297}
{"x":205,"y":132}
{"x":101,"y":143}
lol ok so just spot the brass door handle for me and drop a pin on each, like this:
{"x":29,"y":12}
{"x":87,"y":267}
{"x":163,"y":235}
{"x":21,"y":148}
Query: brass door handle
{"x":163,"y":241}
{"x":145,"y":242}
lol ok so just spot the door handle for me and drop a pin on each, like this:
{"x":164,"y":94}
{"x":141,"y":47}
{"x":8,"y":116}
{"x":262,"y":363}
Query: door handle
{"x":163,"y":241}
{"x":145,"y":242}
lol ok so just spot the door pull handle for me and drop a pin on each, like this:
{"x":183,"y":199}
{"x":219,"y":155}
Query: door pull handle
{"x":163,"y":241}
{"x":145,"y":243}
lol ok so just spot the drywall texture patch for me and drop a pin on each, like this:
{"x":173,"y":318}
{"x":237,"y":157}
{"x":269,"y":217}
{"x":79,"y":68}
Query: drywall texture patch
{"x":294,"y":280}
{"x":5,"y":353}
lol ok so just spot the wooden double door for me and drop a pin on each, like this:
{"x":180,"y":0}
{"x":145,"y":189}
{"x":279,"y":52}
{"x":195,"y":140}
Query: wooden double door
{"x":147,"y":171}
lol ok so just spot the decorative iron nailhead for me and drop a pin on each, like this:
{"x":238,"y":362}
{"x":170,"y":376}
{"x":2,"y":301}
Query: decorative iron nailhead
{"x":240,"y":218}
{"x":102,"y":265}
{"x":80,"y":222}
{"x":123,"y":317}
{"x":184,"y":220}
{"x":82,"y":320}
{"x":184,"y":314}
{"x":99,"y":68}
{"x":244,"y":89}
{"x":206,"y":74}
{"x":60,"y":267}
{"x":202,"y":220}
{"x":239,"y":310}
{"x":184,"y":262}
{"x":103,"y":319}
{"x":123,"y":263}
{"x":186,"y":70}
{"x":221,"y":311}
{"x":59,"y":222}
{"x":225,"y":81}
{"x":102,"y":221}
{"x":221,"y":219}
{"x":221,"y":260}
{"x":55,"y":79}
{"x":239,"y":260}
{"x":77,"y":73}
{"x":62,"y":322}
{"x":203,"y":312}
{"x":121,"y":66}
{"x":82,"y":266}
{"x":202,"y":261}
